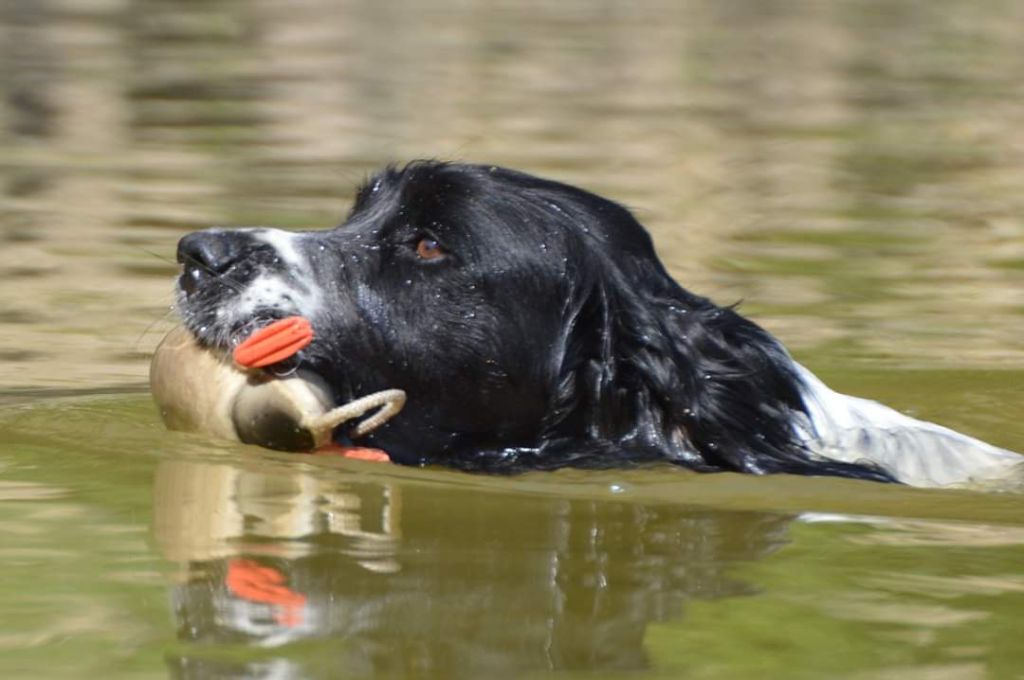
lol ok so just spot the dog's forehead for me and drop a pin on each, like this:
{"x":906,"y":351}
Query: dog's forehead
{"x":453,"y":201}
{"x":487,"y":208}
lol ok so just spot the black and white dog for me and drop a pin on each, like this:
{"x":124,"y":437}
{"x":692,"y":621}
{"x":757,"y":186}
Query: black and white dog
{"x":533,"y":327}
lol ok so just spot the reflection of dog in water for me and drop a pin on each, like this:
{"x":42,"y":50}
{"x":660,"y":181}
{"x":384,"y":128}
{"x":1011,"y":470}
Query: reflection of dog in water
{"x":459,"y":582}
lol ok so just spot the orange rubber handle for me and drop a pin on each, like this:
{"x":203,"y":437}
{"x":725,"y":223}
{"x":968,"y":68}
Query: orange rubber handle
{"x":274,"y":343}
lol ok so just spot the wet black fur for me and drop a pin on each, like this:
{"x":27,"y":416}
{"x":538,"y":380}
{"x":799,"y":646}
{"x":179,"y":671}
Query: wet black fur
{"x":550,"y":335}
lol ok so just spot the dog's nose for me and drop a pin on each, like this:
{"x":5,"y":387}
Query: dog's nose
{"x":214,"y":251}
{"x":206,"y":255}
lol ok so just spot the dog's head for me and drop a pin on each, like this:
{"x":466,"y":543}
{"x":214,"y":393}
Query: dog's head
{"x":456,"y":283}
{"x":529,"y":322}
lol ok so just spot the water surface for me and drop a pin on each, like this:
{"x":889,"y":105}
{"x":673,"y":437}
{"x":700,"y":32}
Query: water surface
{"x":850,"y":170}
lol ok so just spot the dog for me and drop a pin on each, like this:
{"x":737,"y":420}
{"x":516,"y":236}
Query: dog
{"x":533,"y":326}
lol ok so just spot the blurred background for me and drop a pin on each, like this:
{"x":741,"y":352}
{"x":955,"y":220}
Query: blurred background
{"x":851,"y":170}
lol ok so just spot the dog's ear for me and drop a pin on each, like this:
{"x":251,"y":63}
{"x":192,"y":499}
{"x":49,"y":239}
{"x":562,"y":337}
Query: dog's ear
{"x":650,"y":371}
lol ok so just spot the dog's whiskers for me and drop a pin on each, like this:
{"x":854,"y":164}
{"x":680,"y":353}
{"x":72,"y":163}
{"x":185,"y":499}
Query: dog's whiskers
{"x":236,"y":286}
{"x":163,"y":317}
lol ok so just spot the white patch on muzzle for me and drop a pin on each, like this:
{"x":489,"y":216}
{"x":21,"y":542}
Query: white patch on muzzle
{"x":289,"y":288}
{"x":285,"y":243}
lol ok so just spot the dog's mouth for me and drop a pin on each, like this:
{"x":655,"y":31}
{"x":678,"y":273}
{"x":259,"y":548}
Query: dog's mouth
{"x":224,"y":340}
{"x":213,"y":331}
{"x":243,"y":332}
{"x":309,"y":410}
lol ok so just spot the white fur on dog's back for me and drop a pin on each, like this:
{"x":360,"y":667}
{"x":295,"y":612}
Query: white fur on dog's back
{"x":919,"y":453}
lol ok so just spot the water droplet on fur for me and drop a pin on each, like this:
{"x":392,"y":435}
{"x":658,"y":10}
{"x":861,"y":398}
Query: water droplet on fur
{"x":408,"y":282}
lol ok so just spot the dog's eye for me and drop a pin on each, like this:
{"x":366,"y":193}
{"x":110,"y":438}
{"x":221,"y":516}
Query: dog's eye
{"x":429,"y":249}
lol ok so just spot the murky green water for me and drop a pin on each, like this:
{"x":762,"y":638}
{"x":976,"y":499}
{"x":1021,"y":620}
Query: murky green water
{"x":850,"y":169}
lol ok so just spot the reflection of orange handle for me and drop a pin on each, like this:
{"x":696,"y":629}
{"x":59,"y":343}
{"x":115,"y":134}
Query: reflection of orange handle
{"x":252,"y":581}
{"x":274,"y":343}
